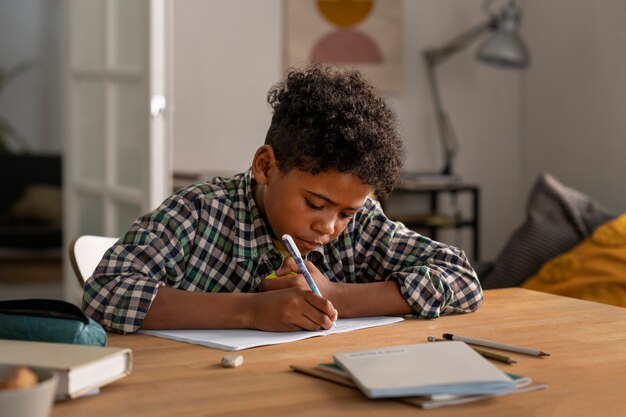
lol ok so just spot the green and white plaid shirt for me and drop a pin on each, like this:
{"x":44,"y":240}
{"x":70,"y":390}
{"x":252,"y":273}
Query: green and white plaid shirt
{"x":212,"y":237}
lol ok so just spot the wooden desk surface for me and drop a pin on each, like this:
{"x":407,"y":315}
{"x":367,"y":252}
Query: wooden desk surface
{"x":585,"y":373}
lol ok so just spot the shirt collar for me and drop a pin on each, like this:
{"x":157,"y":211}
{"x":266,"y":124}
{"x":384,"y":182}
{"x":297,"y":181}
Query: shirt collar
{"x":252,"y":234}
{"x":253,"y":238}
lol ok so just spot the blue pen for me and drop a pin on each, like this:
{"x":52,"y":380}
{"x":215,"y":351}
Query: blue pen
{"x":295,"y":254}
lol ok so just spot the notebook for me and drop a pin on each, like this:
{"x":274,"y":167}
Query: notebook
{"x":423,"y":369}
{"x":333,"y":373}
{"x":82,"y":369}
{"x":238,"y":339}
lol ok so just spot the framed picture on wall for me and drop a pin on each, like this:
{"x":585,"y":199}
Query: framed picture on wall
{"x":360,"y":34}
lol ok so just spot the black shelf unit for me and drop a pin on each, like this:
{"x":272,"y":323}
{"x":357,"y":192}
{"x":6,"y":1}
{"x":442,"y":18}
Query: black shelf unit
{"x":431,"y":220}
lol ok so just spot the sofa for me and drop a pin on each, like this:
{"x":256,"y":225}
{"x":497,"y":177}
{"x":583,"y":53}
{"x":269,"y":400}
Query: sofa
{"x":568,"y":244}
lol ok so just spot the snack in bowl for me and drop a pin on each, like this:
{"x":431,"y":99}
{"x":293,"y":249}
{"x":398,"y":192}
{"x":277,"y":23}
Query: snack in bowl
{"x":26,"y":392}
{"x":20,"y":378}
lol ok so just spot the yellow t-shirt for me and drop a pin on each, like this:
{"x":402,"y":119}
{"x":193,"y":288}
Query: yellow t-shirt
{"x":284,"y":253}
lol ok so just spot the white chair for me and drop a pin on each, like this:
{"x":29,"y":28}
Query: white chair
{"x":86,"y":252}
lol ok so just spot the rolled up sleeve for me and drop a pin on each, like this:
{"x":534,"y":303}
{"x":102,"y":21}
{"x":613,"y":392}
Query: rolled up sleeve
{"x":151,"y":254}
{"x":435,"y":279}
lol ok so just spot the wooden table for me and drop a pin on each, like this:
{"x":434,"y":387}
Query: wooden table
{"x":586,"y":372}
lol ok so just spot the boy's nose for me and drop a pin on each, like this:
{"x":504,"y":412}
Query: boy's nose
{"x":325,"y":225}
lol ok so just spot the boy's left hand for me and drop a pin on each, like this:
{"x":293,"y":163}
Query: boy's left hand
{"x":382,"y":298}
{"x":288,"y":275}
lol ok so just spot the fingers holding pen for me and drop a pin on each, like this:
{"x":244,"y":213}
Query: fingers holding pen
{"x":324,"y":306}
{"x":291,"y":275}
{"x":292,"y":309}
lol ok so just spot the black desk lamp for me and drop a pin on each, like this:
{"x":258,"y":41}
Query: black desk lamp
{"x":504,"y":48}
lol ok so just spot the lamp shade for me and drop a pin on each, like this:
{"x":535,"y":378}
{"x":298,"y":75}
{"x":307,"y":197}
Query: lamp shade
{"x":505,"y":48}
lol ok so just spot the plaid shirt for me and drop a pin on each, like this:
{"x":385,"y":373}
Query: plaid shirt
{"x":212,"y":237}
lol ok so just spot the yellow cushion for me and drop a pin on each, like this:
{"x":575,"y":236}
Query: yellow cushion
{"x":593,"y":270}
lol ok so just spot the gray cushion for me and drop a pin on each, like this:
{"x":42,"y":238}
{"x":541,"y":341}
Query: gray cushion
{"x":558,"y":218}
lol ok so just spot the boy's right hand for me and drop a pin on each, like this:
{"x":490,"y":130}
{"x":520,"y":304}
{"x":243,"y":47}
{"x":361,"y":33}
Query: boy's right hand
{"x":292,"y":309}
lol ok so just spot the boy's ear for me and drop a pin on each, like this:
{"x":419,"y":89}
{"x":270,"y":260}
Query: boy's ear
{"x":264,"y":164}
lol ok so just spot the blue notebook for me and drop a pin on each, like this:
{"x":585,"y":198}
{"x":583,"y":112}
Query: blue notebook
{"x":423,"y":369}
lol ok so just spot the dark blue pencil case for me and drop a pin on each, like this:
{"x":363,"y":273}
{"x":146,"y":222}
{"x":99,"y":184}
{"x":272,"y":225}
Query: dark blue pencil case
{"x":44,"y":320}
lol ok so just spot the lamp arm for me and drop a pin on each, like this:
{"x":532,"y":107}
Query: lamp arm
{"x":447,"y":136}
{"x":434,"y":57}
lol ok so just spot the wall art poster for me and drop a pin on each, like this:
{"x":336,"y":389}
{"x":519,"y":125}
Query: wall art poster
{"x":360,"y":34}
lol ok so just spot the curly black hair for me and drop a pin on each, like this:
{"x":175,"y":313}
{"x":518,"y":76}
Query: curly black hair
{"x":330,"y":119}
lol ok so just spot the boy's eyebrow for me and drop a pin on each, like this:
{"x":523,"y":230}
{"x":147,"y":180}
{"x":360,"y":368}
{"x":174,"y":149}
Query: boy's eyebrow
{"x":331,"y":202}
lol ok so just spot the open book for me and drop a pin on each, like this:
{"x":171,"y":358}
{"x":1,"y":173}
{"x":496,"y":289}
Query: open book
{"x":238,"y":339}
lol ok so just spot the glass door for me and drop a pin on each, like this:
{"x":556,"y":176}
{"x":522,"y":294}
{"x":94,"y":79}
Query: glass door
{"x":116,"y":156}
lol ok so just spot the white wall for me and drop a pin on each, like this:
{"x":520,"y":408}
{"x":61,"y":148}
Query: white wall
{"x":226,"y":56}
{"x":574,"y":97}
{"x":227,"y":53}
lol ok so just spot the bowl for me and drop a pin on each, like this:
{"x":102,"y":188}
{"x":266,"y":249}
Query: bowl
{"x":35,"y":401}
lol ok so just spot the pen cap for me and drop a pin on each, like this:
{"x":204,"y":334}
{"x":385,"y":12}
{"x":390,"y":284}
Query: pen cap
{"x":291,"y":246}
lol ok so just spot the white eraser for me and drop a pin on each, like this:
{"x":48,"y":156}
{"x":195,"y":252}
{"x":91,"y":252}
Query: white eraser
{"x":232,"y":361}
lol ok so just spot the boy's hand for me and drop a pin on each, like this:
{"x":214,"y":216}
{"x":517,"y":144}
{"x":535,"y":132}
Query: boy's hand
{"x":292,"y":309}
{"x":288,"y":275}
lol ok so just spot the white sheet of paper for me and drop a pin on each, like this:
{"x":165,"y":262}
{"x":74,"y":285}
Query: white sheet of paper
{"x":238,"y":339}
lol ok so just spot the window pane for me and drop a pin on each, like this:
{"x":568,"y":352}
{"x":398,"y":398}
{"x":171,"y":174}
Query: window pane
{"x":90,"y":130}
{"x":130,"y":42}
{"x":91,"y":209}
{"x":130,"y":134}
{"x":88,"y":36}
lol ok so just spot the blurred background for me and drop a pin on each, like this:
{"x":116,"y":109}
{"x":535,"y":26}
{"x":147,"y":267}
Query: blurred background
{"x":108,"y":106}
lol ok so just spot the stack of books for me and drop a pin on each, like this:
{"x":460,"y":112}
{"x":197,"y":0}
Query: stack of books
{"x":425,"y":375}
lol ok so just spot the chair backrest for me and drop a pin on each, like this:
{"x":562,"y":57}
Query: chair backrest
{"x":86,"y":252}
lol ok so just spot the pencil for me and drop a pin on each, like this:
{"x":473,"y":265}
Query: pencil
{"x":495,"y":345}
{"x":483,"y":353}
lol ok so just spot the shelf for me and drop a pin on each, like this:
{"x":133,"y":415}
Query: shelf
{"x":431,"y":220}
{"x":430,"y":217}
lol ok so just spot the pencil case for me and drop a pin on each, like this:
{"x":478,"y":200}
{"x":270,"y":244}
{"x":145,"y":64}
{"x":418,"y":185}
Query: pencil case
{"x":44,"y":320}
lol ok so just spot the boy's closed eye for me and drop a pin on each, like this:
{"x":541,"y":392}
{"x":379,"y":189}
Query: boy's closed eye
{"x":343,"y":215}
{"x":310,"y":204}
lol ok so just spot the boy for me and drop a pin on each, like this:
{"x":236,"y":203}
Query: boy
{"x":201,"y":259}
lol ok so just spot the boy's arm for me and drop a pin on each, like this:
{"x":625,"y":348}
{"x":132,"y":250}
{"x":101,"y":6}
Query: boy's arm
{"x":149,"y":255}
{"x":433,"y":278}
{"x":285,"y":310}
{"x":394,"y":265}
{"x":123,"y":296}
{"x":442,"y":291}
{"x":397,"y":271}
{"x":351,"y":300}
{"x":369,"y":299}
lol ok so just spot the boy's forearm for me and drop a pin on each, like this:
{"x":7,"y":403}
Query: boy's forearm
{"x":370,"y":299}
{"x":180,"y":309}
